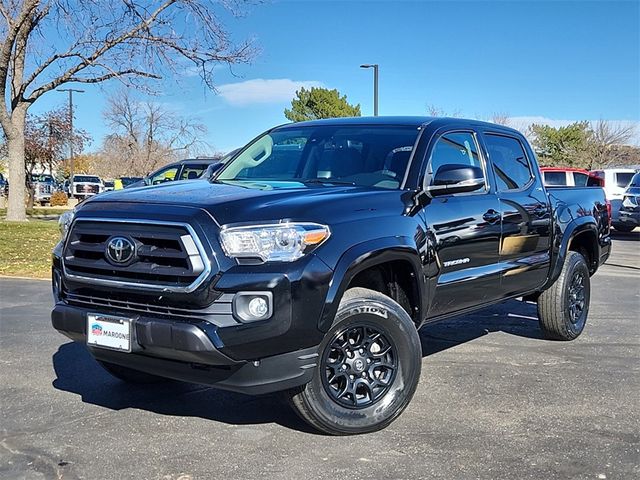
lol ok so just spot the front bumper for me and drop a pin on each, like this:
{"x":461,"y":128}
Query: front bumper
{"x":628,"y":218}
{"x":197,"y":335}
{"x":191,"y":351}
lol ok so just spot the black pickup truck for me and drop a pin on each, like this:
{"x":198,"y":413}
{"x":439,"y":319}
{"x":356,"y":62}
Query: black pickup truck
{"x":308,"y":263}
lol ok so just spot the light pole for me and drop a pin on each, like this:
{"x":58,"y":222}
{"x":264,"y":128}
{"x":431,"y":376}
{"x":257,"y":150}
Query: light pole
{"x":375,"y":85}
{"x":70,"y":90}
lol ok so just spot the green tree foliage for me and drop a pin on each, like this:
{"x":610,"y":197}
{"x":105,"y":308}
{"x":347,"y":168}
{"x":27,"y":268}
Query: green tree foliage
{"x":320,"y":103}
{"x":585,"y":145}
{"x":567,"y":146}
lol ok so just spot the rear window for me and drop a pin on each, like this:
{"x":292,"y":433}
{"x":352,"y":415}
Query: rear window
{"x":594,"y":181}
{"x":86,"y":179}
{"x":580,"y":179}
{"x":192,"y":171}
{"x":555,"y":178}
{"x":623,"y":178}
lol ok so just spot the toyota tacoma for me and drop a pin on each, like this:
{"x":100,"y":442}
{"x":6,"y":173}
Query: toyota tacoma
{"x":309,"y":261}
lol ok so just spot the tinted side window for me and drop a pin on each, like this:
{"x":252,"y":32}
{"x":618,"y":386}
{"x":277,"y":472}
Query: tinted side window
{"x":192,"y":171}
{"x":454,"y":148}
{"x":580,"y":179}
{"x":510,"y":163}
{"x":166,"y":175}
{"x":555,"y":178}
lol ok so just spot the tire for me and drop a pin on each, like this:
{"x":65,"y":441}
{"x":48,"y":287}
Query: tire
{"x":563,"y":308}
{"x":386,"y":369}
{"x":129,"y":375}
{"x":624,"y":228}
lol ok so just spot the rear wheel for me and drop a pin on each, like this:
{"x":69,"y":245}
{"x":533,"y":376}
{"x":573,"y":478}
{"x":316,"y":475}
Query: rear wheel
{"x":563,"y":308}
{"x":368,"y":369}
{"x":129,"y":375}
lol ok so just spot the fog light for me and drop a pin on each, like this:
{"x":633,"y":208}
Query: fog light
{"x":258,"y":307}
{"x":252,"y":306}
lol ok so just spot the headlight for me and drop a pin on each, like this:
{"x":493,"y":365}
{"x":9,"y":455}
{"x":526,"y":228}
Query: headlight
{"x":280,"y":242}
{"x":64,"y":222}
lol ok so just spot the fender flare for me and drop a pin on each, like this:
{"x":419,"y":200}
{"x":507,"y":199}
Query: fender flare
{"x":365,"y":255}
{"x":575,"y":227}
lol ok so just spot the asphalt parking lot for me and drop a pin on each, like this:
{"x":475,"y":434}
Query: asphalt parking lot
{"x":495,"y":401}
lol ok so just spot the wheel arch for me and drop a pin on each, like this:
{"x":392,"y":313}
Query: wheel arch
{"x":393,"y":254}
{"x":580,"y":235}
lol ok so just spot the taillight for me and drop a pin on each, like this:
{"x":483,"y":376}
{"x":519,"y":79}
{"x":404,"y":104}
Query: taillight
{"x":608,"y":202}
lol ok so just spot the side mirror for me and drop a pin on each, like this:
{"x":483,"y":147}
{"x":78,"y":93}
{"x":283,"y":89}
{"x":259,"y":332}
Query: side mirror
{"x":211,"y":170}
{"x":456,"y":178}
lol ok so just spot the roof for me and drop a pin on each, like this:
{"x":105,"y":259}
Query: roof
{"x":407,"y":121}
{"x":201,"y":160}
{"x":563,"y":169}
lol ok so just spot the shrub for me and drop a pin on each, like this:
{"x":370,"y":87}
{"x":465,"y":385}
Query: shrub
{"x":59,"y":199}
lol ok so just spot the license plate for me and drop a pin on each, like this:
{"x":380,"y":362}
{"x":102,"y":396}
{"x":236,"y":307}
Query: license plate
{"x":109,"y":331}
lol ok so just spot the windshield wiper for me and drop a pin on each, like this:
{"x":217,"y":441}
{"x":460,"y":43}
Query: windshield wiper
{"x":323,"y":181}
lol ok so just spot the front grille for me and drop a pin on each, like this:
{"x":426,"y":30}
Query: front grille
{"x":218,"y":313}
{"x":45,"y":189}
{"x":87,"y":188}
{"x":630,"y":203}
{"x":168,"y":256}
{"x":222,"y":305}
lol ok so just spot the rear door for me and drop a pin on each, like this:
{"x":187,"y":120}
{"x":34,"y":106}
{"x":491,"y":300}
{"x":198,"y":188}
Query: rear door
{"x":465,"y":229}
{"x":525,"y":211}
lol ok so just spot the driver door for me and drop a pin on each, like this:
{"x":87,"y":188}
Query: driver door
{"x":465,"y":228}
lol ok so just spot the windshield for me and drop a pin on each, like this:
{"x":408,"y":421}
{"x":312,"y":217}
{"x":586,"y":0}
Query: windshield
{"x":45,"y":178}
{"x":623,"y":179}
{"x":86,"y":179}
{"x":375,"y":156}
{"x":635,"y":181}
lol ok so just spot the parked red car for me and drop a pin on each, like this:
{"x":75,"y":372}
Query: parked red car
{"x":570,"y":177}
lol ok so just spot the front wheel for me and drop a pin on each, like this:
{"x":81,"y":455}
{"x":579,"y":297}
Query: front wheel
{"x":368,"y":369}
{"x":563,"y":308}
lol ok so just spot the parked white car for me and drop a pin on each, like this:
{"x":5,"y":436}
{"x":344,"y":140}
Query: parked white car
{"x":85,"y":186}
{"x":615,"y":184}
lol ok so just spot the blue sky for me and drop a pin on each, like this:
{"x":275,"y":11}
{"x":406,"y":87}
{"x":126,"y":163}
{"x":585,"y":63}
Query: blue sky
{"x":560,"y":61}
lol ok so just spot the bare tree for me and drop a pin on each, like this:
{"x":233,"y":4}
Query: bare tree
{"x":95,"y":41}
{"x":436,"y":111}
{"x":146,"y":134}
{"x":500,"y":118}
{"x":605,"y":138}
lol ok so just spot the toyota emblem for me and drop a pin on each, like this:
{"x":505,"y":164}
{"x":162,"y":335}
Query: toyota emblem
{"x":120,"y":250}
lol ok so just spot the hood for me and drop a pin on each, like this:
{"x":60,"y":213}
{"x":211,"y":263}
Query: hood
{"x":267,"y":202}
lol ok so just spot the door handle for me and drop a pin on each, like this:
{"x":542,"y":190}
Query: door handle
{"x":491,"y":216}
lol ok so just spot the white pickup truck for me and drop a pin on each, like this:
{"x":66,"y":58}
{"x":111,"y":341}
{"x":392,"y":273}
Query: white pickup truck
{"x":84,"y":186}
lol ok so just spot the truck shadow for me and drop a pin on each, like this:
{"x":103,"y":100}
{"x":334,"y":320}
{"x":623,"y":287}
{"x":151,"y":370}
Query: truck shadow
{"x":78,"y":373}
{"x":633,"y":236}
{"x":512,"y":317}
